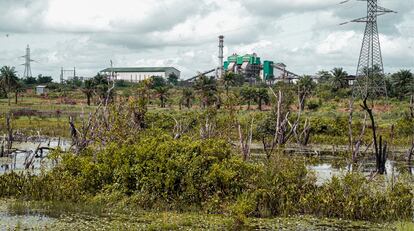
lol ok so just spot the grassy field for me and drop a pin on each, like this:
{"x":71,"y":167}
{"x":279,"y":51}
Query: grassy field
{"x":50,"y":115}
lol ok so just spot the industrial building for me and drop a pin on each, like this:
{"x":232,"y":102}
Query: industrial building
{"x":250,"y":66}
{"x":137,"y":74}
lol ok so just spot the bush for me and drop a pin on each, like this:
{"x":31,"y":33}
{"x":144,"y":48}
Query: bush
{"x":156,"y":171}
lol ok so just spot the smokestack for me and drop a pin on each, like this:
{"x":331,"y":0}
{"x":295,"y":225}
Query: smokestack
{"x":221,"y":57}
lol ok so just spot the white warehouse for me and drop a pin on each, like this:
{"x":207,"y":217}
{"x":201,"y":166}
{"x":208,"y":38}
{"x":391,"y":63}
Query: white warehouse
{"x":137,"y":74}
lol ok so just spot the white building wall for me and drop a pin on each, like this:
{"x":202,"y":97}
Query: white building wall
{"x":136,"y":76}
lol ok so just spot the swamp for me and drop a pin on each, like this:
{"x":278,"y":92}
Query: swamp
{"x":286,"y":156}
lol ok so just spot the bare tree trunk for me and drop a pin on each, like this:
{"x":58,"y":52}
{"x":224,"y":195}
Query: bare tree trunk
{"x":410,"y":154}
{"x":245,"y":142}
{"x":350,"y":136}
{"x":380,"y":150}
{"x":9,"y":134}
{"x":88,"y":99}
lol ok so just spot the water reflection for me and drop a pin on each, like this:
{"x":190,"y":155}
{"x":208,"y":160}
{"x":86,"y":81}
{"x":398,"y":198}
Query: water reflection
{"x":27,"y":159}
{"x":17,"y":222}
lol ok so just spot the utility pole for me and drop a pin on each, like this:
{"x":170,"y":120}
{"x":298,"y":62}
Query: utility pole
{"x":61,"y":75}
{"x":370,"y":59}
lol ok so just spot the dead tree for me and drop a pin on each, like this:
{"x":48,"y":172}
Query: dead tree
{"x":182,"y":126}
{"x":409,"y":157}
{"x":302,"y":137}
{"x":356,"y":148}
{"x":207,"y":129}
{"x":285,"y":129}
{"x":9,"y":128}
{"x":245,"y":140}
{"x":381,"y":147}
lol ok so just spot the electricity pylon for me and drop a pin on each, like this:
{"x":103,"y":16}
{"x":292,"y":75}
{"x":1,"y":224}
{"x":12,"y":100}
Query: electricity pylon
{"x":369,"y":80}
{"x":28,"y":60}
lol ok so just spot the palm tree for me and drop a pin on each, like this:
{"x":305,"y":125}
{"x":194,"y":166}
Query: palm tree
{"x":339,"y":80}
{"x":8,"y":80}
{"x":402,"y":83}
{"x":187,"y":97}
{"x":101,"y":85}
{"x":306,"y":85}
{"x":262,"y":96}
{"x":229,"y":79}
{"x":207,"y":89}
{"x":88,"y":89}
{"x":162,"y":93}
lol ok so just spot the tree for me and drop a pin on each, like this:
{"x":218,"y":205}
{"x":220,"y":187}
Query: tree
{"x":18,"y":87}
{"x":324,"y":77}
{"x":402,"y":84}
{"x":207,"y":89}
{"x":101,"y":86}
{"x":261,"y":95}
{"x":173,"y":79}
{"x":44,"y":79}
{"x":88,"y":89}
{"x":8,"y":80}
{"x":74,"y":82}
{"x":306,"y":85}
{"x":248,"y":94}
{"x":162,"y":93}
{"x":229,"y":79}
{"x":160,"y":87}
{"x":29,"y":80}
{"x":187,"y":97}
{"x":338,"y":79}
{"x":157,"y":81}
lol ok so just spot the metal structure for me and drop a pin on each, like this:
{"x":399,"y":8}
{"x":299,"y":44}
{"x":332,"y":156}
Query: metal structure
{"x":286,"y":75}
{"x":369,"y":81}
{"x":248,"y":65}
{"x":67,"y":74}
{"x":220,"y":57}
{"x":199,"y":74}
{"x":28,"y":60}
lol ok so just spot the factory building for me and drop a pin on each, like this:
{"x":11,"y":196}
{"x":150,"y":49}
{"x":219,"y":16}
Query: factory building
{"x":250,"y":66}
{"x":137,"y":74}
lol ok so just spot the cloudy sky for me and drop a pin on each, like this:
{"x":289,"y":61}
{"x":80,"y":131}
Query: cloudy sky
{"x":303,"y":34}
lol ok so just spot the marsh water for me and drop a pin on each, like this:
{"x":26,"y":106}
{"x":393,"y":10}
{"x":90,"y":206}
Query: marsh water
{"x":26,"y":151}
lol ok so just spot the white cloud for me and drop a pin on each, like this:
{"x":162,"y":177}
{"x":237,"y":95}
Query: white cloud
{"x":335,"y":42}
{"x":304,"y":34}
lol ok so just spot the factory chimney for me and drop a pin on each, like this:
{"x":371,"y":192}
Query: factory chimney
{"x":220,"y":68}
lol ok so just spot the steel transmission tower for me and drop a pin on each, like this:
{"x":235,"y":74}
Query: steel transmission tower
{"x":369,"y":76}
{"x":28,"y":60}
